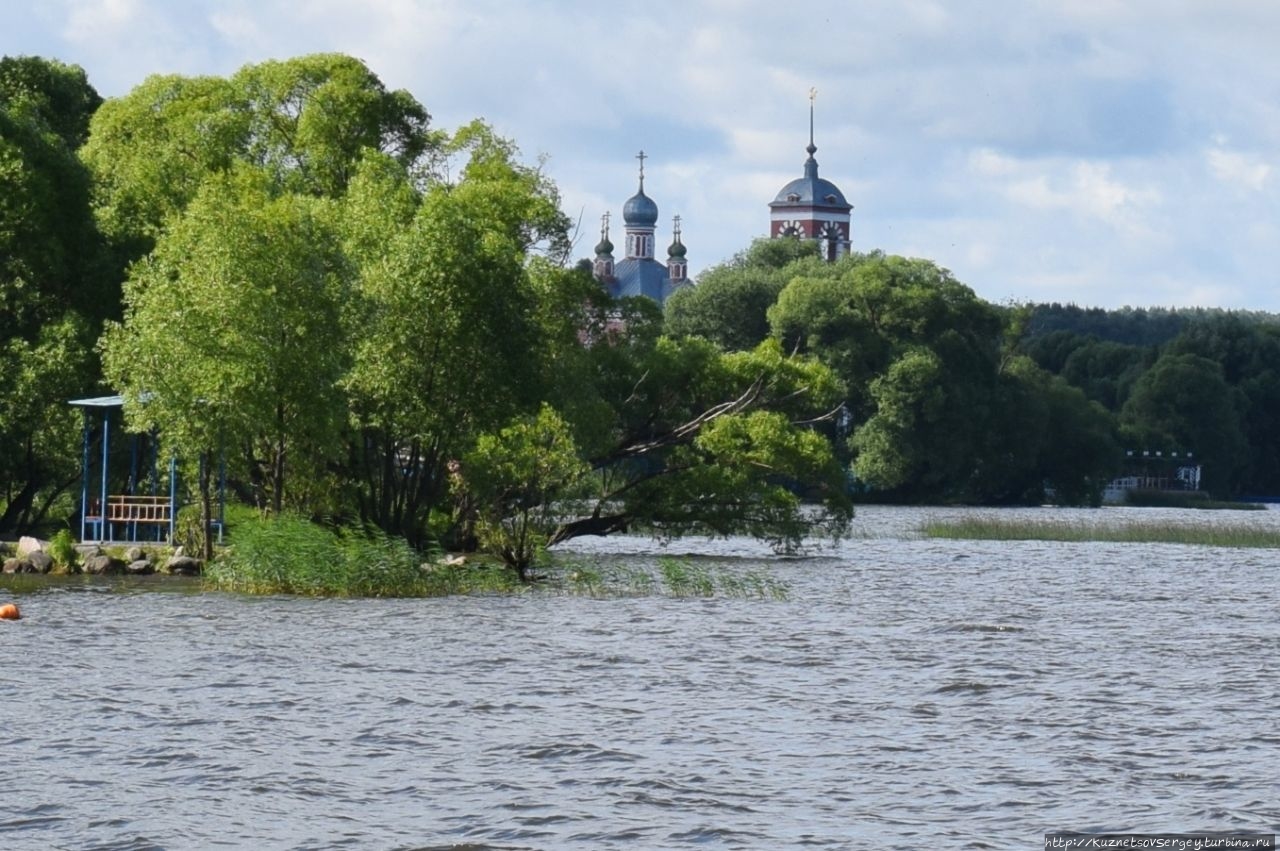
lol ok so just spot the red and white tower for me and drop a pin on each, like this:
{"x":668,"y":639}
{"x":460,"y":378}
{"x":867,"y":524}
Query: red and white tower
{"x":812,"y":208}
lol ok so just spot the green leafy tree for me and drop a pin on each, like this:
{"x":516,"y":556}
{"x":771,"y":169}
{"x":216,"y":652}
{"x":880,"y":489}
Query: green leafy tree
{"x":920,"y":355}
{"x":1248,"y":350}
{"x":1048,"y":435}
{"x":151,"y":150}
{"x":446,"y":349}
{"x":1184,"y":403}
{"x":910,"y":405}
{"x":311,"y":118}
{"x":53,"y":290}
{"x":231,"y":336}
{"x":39,"y":453}
{"x":730,"y":303}
{"x":704,"y":441}
{"x":57,"y":94}
{"x":516,"y":481}
{"x":1106,"y":371}
{"x":306,"y":122}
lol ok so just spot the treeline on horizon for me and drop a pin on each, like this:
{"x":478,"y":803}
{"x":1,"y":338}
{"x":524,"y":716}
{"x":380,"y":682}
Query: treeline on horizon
{"x":375,"y":320}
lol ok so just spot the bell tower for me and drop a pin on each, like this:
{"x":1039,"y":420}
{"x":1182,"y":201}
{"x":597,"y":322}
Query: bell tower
{"x":810,"y":207}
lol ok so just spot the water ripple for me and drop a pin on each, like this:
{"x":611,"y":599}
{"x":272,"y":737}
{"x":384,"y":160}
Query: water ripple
{"x":908,"y":693}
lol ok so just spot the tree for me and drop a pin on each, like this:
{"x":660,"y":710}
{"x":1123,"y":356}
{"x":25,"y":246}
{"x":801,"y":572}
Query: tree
{"x":38,"y":431}
{"x":1048,"y":436}
{"x":729,"y":304}
{"x":1079,"y":451}
{"x":515,"y":481}
{"x":910,"y":403}
{"x":1184,"y":403}
{"x":1248,"y":350}
{"x":57,"y":94}
{"x":701,"y":440}
{"x":919,"y":354}
{"x":305,"y":122}
{"x":53,"y":290}
{"x":1106,"y":371}
{"x":311,"y":118}
{"x":231,"y":336}
{"x":444,"y":346}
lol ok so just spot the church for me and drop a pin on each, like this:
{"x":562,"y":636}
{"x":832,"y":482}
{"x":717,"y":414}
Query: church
{"x":638,"y":273}
{"x":809,"y":207}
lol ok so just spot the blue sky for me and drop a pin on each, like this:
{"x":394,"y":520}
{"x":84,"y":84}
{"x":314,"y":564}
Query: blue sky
{"x":1101,"y":152}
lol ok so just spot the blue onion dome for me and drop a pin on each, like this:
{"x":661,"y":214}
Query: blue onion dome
{"x":604,"y":246}
{"x":640,"y":210}
{"x":677,"y":250}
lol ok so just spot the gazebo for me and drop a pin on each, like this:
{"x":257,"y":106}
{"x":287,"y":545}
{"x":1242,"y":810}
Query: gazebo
{"x":127,"y":503}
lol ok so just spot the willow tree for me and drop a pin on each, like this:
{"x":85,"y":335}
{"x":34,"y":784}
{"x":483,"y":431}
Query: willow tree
{"x":447,"y":348}
{"x":690,"y":439}
{"x":230,"y":338}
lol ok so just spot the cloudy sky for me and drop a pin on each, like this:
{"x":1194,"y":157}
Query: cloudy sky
{"x":1101,"y":152}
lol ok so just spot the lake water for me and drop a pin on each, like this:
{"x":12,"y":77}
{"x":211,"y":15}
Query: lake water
{"x":907,"y":693}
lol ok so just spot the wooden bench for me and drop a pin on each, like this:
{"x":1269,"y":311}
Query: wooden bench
{"x":139,"y":509}
{"x":130,"y":512}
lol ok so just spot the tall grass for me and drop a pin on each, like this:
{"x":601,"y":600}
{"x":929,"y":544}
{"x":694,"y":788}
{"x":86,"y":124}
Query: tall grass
{"x":1143,"y":532}
{"x":290,"y":555}
{"x":294,"y":556}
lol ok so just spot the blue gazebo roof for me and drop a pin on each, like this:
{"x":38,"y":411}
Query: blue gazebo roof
{"x":98,"y":402}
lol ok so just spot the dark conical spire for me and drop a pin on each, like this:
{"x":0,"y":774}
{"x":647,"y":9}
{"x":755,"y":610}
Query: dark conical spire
{"x":811,"y":165}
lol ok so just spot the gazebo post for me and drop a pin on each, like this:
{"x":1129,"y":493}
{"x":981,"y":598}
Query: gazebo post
{"x":84,"y":476}
{"x":222,"y":494}
{"x":105,"y":530}
{"x":173,"y":500}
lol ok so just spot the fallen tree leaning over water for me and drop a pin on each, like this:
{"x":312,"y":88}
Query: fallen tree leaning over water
{"x":694,"y":441}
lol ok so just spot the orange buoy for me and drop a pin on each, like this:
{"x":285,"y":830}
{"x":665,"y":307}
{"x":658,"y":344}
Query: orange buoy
{"x":9,"y":612}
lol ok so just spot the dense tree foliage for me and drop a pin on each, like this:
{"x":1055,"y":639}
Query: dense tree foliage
{"x":730,"y":304}
{"x":54,"y":291}
{"x":373,"y":320}
{"x":227,"y":344}
{"x":937,"y":409}
{"x":1223,"y":407}
{"x":305,"y":122}
{"x":334,"y":297}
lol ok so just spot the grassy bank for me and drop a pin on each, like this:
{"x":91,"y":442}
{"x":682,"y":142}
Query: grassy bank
{"x":1135,"y":532}
{"x":295,"y":556}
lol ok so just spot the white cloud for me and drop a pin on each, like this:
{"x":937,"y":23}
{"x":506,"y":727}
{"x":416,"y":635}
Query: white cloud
{"x":96,"y":19}
{"x":1241,"y":170}
{"x":1027,"y":146}
{"x":236,"y":27}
